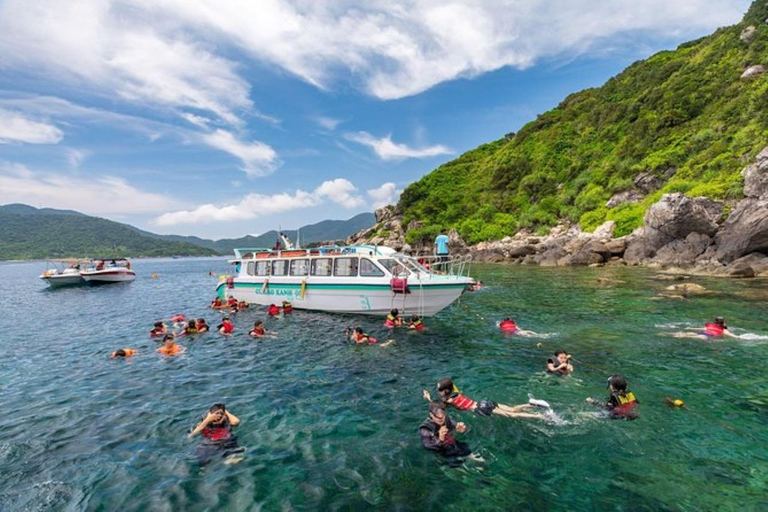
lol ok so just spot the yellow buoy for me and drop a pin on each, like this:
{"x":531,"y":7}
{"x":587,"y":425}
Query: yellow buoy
{"x":538,"y":345}
{"x":678,"y":403}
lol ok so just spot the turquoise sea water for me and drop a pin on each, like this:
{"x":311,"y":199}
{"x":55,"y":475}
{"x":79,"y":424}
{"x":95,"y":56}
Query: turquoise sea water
{"x":331,"y":426}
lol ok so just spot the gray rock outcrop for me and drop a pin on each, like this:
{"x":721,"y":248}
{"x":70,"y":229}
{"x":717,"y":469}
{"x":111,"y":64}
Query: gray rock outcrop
{"x":753,"y":71}
{"x":745,"y":231}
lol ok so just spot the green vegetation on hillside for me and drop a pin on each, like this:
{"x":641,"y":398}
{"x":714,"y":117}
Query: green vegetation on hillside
{"x":59,"y":235}
{"x":686,"y":109}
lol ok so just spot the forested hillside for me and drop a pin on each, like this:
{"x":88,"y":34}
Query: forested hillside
{"x":688,"y":118}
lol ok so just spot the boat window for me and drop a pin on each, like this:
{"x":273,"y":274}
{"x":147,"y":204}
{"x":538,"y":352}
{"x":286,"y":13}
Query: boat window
{"x":280,"y":267}
{"x":345,"y":267}
{"x":322,"y":266}
{"x":299,"y":267}
{"x":251,"y":268}
{"x":394,"y":266}
{"x":369,"y":268}
{"x":262,"y":268}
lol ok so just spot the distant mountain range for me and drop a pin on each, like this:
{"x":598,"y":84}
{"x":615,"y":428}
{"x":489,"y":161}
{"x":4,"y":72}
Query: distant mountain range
{"x":27,"y":232}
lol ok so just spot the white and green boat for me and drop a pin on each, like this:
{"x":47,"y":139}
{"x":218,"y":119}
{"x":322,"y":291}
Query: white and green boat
{"x":362,"y":279}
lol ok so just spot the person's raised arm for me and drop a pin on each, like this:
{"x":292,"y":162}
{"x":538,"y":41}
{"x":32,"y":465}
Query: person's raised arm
{"x":551,"y":367}
{"x":233,"y":420}
{"x":426,"y":395}
{"x":199,"y":428}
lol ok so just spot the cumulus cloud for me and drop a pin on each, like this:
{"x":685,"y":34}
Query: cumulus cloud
{"x":260,"y":205}
{"x":384,"y":195}
{"x":171,"y":51}
{"x":107,"y":195}
{"x":258,"y":158}
{"x":75,"y":157}
{"x":14,"y":127}
{"x":328,"y":123}
{"x":388,"y":150}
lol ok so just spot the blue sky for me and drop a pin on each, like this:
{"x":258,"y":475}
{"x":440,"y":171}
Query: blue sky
{"x":220,"y":118}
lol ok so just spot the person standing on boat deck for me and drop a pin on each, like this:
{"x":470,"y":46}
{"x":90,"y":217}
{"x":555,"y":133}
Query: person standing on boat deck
{"x":441,"y":247}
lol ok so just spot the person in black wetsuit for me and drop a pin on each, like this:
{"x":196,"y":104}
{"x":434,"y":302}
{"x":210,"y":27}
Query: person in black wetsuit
{"x":437,"y":435}
{"x":216,"y":428}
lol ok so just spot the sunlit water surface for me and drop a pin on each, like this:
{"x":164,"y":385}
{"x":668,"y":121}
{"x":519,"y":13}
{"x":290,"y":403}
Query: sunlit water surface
{"x":331,"y":426}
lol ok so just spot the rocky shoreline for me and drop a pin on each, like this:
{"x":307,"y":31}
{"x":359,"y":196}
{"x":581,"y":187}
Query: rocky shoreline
{"x":694,"y":235}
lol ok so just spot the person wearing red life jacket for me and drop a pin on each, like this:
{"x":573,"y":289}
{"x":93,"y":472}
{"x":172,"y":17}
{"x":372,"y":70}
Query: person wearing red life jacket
{"x":201,"y":326}
{"x":218,"y":439}
{"x":159,"y":330}
{"x":416,"y":323}
{"x":259,"y":331}
{"x":287,"y":307}
{"x":393,"y":319}
{"x":231,"y":302}
{"x":510,"y":327}
{"x":359,"y":337}
{"x":714,"y":329}
{"x":621,"y":403}
{"x":449,"y":394}
{"x":226,"y":327}
{"x":273,"y":310}
{"x":217,"y":303}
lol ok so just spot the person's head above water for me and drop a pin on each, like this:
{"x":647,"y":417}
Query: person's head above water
{"x":446,"y":386}
{"x":720,"y":321}
{"x":219,"y":410}
{"x":119,"y":353}
{"x":437,"y":412}
{"x":561,"y":356}
{"x":358,"y":330}
{"x":414,"y":318}
{"x":617,"y":382}
{"x":167,"y":338}
{"x":394,"y":312}
{"x":158,"y":325}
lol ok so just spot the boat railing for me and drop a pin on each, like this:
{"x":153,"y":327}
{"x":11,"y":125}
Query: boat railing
{"x":456,"y":266}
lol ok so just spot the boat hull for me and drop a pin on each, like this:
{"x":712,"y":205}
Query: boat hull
{"x":371,"y":299}
{"x":109,"y":275}
{"x":56,"y":281}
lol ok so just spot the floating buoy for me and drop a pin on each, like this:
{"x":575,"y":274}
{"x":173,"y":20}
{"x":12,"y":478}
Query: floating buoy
{"x":539,"y":345}
{"x":674,"y":402}
{"x":154,"y":276}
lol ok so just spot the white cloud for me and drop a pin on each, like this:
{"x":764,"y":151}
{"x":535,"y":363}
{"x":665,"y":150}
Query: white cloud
{"x":199,"y":121}
{"x":107,"y":195}
{"x":14,"y":127}
{"x":388,"y":150}
{"x":171,"y":52}
{"x":75,"y":157}
{"x":261,"y":205}
{"x":328,"y":123}
{"x":384,"y":195}
{"x":340,"y":191}
{"x":258,"y":158}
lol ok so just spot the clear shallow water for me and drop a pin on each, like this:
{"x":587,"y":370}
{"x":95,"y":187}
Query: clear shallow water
{"x":332,"y":426}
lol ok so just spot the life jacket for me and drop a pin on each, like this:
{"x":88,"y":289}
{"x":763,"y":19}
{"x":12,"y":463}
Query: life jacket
{"x":228,"y":327}
{"x":231,"y":302}
{"x":199,"y":327}
{"x":174,"y":350}
{"x":218,"y":433}
{"x":461,"y":402}
{"x":155,"y":333}
{"x":391,"y":321}
{"x":217,"y":304}
{"x":508,"y":326}
{"x":417,"y":325}
{"x":434,"y":428}
{"x":190,"y":329}
{"x":261,"y":331}
{"x":273,"y":310}
{"x":625,"y":404}
{"x":287,"y":307}
{"x":712,"y":329}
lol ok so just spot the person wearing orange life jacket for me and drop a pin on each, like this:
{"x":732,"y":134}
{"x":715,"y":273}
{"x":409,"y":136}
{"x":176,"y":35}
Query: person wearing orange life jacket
{"x":273,"y":310}
{"x":124,"y":352}
{"x":416,"y":323}
{"x":170,"y":347}
{"x":449,"y":394}
{"x":393,"y":319}
{"x":714,"y":329}
{"x":216,"y":429}
{"x":621,"y":404}
{"x":217,"y":303}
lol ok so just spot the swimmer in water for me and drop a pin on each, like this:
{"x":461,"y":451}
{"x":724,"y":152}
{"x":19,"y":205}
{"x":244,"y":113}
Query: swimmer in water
{"x":560,"y":363}
{"x":621,"y":403}
{"x":715,"y":329}
{"x":217,"y":303}
{"x":170,"y":347}
{"x":242,"y":305}
{"x":226,"y":327}
{"x":201,"y":326}
{"x":393,"y":319}
{"x":124,"y":352}
{"x":159,"y":330}
{"x":189,"y":328}
{"x":437,"y":434}
{"x":449,"y":394}
{"x":416,"y":323}
{"x":287,"y":308}
{"x":273,"y":310}
{"x":260,"y":331}
{"x":231,"y":302}
{"x":216,"y":428}
{"x":509,"y":326}
{"x":359,"y":337}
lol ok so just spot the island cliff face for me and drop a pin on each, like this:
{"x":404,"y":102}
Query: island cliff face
{"x":666,"y":164}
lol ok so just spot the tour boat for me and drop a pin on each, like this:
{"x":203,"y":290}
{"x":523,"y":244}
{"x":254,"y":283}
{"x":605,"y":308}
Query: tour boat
{"x":362,"y":279}
{"x":64,"y":273}
{"x":108,"y":271}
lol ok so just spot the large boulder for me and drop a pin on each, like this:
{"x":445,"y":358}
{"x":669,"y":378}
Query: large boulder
{"x":519,"y":250}
{"x":605,"y":231}
{"x":683,"y":251}
{"x":747,"y":34}
{"x":745,"y":231}
{"x":591,"y":253}
{"x":628,"y":196}
{"x":677,"y":216}
{"x":753,"y":71}
{"x":756,"y":176}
